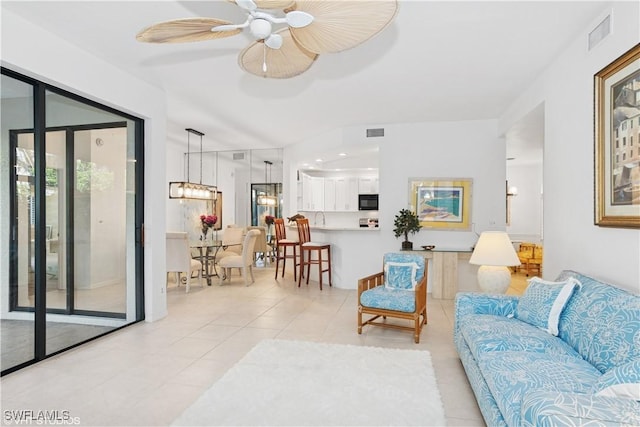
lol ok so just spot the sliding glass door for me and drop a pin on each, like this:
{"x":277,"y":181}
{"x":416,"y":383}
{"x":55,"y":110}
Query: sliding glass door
{"x":73,"y":222}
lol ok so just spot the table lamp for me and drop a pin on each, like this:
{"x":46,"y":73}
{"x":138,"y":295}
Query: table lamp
{"x":493,"y":253}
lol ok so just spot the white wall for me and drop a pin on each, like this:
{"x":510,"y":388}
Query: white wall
{"x":468,"y":149}
{"x":526,"y":207}
{"x":571,"y":239}
{"x":38,"y":53}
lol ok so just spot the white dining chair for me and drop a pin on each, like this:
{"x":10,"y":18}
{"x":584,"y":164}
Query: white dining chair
{"x":262,"y":249}
{"x":231,"y":242}
{"x":179,"y":258}
{"x":244,"y":262}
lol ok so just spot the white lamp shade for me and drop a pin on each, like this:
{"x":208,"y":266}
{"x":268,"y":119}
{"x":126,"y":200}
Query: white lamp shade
{"x":494,"y":248}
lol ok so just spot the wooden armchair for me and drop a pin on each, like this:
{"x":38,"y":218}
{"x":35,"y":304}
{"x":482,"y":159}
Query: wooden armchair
{"x":399,"y":291}
{"x":534,"y":264}
{"x":525,"y":253}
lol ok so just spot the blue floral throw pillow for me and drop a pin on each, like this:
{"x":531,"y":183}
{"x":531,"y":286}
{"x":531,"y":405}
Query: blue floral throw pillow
{"x":400,"y":275}
{"x":543,"y":302}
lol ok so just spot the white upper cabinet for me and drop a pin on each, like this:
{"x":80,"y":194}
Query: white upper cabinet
{"x":368,"y":185}
{"x":330,"y":194}
{"x":312,"y":193}
{"x":333,"y":193}
{"x":341,"y":194}
{"x":347,"y":194}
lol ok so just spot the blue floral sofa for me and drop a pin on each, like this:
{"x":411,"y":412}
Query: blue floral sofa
{"x":564,"y":353}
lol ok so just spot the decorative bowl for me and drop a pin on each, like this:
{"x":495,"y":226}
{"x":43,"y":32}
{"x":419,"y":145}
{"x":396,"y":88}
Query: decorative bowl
{"x":428,"y":247}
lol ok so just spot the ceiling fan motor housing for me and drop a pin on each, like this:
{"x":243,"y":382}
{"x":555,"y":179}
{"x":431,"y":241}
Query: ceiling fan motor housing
{"x":260,"y":28}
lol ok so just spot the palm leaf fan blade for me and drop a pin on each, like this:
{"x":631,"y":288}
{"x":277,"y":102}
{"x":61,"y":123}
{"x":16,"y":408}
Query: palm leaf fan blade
{"x":341,"y":25}
{"x":185,"y":31}
{"x":288,"y":61}
{"x":274,"y":4}
{"x":271,"y":4}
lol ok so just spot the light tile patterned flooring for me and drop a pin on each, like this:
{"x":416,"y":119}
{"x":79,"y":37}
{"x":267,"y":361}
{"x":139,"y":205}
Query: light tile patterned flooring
{"x":147,"y":374}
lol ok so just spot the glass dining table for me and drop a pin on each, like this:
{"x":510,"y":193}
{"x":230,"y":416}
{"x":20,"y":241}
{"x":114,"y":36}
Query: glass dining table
{"x":207,"y":252}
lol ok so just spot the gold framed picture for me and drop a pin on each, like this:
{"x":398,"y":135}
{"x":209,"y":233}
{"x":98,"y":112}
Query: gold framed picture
{"x":617,"y":142}
{"x":441,"y":203}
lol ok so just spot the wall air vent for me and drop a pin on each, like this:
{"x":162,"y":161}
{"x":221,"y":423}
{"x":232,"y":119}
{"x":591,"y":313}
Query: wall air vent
{"x":371,"y":133}
{"x":600,"y":32}
{"x":238,"y":156}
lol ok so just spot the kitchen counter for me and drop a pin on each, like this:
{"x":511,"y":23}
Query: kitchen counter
{"x":337,"y":228}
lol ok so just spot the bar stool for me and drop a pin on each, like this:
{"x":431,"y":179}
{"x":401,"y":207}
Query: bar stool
{"x":307,"y":247}
{"x":282,"y":243}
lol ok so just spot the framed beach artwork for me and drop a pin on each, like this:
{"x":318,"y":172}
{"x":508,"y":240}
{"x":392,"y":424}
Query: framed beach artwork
{"x":617,"y":142}
{"x":441,"y":203}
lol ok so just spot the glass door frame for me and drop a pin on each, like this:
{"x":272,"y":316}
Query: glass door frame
{"x":39,"y":131}
{"x":69,"y":220}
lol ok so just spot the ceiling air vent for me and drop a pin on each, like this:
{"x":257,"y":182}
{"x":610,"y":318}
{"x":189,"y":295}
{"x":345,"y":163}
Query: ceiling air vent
{"x":375,"y":132}
{"x":600,"y":32}
{"x":238,"y":156}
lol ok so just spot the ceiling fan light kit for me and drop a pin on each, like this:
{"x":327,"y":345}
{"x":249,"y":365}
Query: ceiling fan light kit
{"x":311,"y":28}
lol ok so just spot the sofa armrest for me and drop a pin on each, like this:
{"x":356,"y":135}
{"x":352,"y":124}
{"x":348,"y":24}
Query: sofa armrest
{"x":553,"y":408}
{"x":476,"y":303}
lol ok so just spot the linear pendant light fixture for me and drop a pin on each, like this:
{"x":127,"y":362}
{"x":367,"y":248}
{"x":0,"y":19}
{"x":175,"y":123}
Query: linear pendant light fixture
{"x":265,"y":199}
{"x":191,"y":190}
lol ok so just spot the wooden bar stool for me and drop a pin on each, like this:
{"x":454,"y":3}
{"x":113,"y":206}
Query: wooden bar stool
{"x":307,"y":247}
{"x":282,"y":243}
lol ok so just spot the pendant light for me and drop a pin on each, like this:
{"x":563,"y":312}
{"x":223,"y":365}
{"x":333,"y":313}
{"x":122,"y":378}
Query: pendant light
{"x":265,"y":199}
{"x":191,"y":190}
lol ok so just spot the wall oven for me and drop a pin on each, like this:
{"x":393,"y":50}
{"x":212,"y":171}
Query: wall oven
{"x":367,"y":202}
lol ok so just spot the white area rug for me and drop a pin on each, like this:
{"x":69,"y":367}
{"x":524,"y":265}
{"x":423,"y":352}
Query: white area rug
{"x":280,"y":383}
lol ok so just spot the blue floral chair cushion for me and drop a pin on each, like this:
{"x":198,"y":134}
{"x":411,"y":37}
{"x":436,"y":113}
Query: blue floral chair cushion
{"x":389,"y":299}
{"x":543,"y":302}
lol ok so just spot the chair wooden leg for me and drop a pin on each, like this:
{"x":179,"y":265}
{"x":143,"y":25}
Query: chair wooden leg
{"x":320,"y":268}
{"x":329,"y":263}
{"x":359,"y":321}
{"x":251,"y":272}
{"x":295,"y":256}
{"x":301,"y":272}
{"x":277,"y":252}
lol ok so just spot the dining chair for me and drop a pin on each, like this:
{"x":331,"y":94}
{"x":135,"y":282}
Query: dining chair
{"x":262,"y":248}
{"x":244,"y":261}
{"x":179,"y":258}
{"x":231,"y":242}
{"x":399,"y":291}
{"x":282,"y":244}
{"x":307,"y":250}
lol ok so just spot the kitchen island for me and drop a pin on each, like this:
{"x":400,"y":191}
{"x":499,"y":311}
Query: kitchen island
{"x":356,"y":253}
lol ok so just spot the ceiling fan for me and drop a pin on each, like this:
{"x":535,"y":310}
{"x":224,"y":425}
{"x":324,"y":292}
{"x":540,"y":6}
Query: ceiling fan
{"x":307,"y":28}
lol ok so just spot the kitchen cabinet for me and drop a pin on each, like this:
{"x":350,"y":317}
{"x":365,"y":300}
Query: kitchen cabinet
{"x":312,"y":193}
{"x":368,"y":185}
{"x":346,"y":194}
{"x":330,"y":194}
{"x":340,"y":194}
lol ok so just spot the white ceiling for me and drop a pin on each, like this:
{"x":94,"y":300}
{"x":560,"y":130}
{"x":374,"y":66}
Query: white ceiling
{"x":438,"y":61}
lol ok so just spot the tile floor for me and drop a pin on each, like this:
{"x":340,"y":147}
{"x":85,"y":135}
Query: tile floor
{"x":148,"y":373}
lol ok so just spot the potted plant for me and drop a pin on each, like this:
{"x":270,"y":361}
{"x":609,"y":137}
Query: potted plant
{"x":406,"y":222}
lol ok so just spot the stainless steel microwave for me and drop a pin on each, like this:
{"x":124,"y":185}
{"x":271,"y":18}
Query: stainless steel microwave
{"x":367,"y":202}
